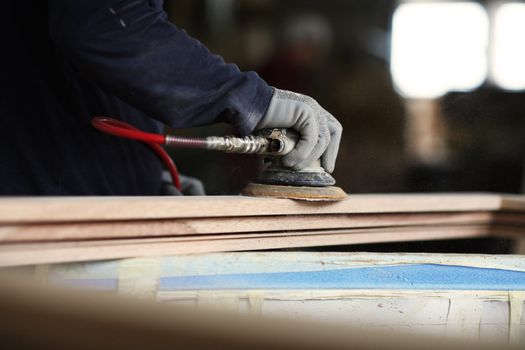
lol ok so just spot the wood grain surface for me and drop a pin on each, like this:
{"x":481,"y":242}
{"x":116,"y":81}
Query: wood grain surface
{"x":43,"y":253}
{"x":57,"y":209}
{"x":48,"y":230}
{"x":72,"y":231}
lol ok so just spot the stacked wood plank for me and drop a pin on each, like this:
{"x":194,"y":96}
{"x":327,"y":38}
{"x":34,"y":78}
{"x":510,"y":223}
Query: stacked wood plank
{"x":48,"y":230}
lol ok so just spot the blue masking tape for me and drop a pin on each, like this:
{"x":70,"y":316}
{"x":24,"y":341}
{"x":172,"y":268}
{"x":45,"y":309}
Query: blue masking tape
{"x":424,"y":276}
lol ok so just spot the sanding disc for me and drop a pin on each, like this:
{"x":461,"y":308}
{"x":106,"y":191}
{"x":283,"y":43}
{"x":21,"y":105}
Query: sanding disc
{"x":306,"y":193}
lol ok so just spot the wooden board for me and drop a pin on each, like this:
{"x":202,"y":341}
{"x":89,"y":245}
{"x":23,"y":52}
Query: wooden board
{"x":44,"y":230}
{"x":74,"y":231}
{"x":43,"y":253}
{"x":18,"y":210}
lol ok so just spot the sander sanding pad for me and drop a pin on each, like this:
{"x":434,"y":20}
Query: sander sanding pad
{"x":306,"y":193}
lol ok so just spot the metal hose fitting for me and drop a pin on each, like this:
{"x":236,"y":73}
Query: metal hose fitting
{"x":273,"y":142}
{"x":246,"y":145}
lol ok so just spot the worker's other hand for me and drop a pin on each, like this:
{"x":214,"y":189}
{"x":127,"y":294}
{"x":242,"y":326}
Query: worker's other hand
{"x":320,"y":132}
{"x":190,"y":186}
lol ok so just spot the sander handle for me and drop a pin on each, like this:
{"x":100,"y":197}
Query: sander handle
{"x":268,"y":142}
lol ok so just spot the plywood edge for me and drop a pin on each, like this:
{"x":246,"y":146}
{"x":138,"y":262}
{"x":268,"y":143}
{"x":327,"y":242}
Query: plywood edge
{"x":512,"y":203}
{"x":47,"y":209}
{"x":30,"y":254}
{"x":45,"y":232}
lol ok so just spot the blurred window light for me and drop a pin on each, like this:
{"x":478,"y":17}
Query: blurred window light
{"x":439,"y":47}
{"x":508,"y":48}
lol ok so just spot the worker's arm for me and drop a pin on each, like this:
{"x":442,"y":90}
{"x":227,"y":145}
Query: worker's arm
{"x":131,"y":50}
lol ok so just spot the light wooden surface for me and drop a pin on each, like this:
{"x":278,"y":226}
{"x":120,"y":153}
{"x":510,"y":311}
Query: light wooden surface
{"x":45,"y":230}
{"x":18,"y":210}
{"x":43,"y":253}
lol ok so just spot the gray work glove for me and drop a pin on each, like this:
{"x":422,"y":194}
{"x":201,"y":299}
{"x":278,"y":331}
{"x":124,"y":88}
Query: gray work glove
{"x":191,"y":186}
{"x":320,"y":132}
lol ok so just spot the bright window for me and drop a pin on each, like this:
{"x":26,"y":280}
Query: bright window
{"x":439,"y":47}
{"x":508,"y":55}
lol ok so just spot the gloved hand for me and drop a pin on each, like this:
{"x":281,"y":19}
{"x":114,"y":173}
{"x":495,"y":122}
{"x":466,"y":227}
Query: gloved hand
{"x":320,"y":132}
{"x":190,"y":186}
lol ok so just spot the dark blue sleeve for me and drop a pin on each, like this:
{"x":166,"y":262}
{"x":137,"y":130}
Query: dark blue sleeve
{"x":131,"y":50}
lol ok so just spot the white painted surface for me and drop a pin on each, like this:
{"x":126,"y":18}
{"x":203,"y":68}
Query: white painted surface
{"x":481,"y":315}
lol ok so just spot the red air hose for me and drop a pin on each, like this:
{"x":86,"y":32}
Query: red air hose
{"x":154,"y":141}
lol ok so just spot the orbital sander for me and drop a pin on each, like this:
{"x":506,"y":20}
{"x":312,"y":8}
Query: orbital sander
{"x":312,"y":183}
